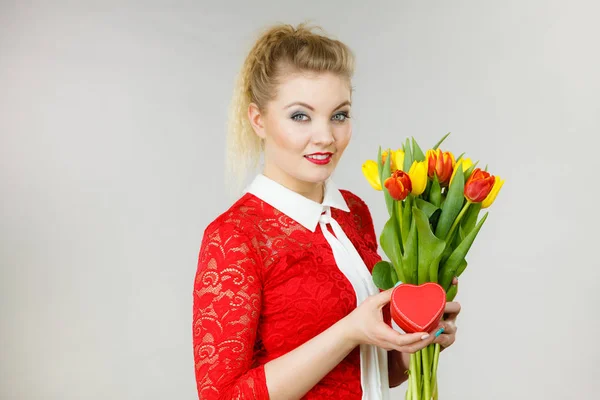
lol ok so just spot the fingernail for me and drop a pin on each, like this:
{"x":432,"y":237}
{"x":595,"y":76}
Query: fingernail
{"x":425,"y":336}
{"x":398,"y":283}
{"x":439,"y":332}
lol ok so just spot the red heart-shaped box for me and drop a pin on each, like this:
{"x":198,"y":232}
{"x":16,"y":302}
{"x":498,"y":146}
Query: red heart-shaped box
{"x":418,"y":308}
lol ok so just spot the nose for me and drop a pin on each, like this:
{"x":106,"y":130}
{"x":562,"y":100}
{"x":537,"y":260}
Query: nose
{"x":323,"y":135}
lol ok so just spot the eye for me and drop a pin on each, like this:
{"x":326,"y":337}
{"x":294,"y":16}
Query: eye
{"x":297,"y":117}
{"x":342,"y":116}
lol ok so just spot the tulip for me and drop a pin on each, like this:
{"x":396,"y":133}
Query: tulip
{"x":418,"y":177}
{"x":494,"y":192}
{"x":479,"y":186}
{"x":397,"y":160}
{"x":371,"y":172}
{"x":440,"y":163}
{"x":399,"y":185}
{"x":466,"y":164}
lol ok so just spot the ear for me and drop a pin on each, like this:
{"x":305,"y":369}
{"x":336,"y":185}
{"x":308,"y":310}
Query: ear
{"x":256,"y":120}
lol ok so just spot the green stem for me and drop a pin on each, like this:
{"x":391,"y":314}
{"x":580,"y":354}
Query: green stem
{"x":419,"y":370}
{"x":457,"y":220}
{"x":413,"y":377}
{"x":436,"y":358}
{"x":426,"y":373}
{"x":399,"y":213}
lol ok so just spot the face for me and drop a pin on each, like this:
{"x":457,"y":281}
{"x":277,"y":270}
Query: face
{"x":306,"y":129}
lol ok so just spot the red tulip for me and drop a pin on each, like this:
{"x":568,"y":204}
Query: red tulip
{"x":479,"y":185}
{"x":441,"y":163}
{"x":399,"y":185}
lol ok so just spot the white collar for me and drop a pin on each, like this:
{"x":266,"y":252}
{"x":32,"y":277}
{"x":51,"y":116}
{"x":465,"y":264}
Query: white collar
{"x":301,"y":209}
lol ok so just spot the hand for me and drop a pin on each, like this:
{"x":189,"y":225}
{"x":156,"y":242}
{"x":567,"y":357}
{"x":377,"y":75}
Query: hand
{"x":365,"y":324}
{"x":451,"y":311}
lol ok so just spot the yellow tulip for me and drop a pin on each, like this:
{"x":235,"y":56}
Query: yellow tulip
{"x":466,"y":164}
{"x":493,"y":193}
{"x":418,"y":176}
{"x":371,"y":172}
{"x":397,"y":161}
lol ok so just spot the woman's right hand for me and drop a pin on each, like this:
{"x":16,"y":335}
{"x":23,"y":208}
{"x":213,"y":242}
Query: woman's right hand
{"x":365,"y":325}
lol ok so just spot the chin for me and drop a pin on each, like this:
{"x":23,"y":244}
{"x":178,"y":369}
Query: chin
{"x":316,"y":177}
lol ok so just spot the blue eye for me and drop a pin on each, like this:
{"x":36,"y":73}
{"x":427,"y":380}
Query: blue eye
{"x":342,"y":114}
{"x":299,"y":115}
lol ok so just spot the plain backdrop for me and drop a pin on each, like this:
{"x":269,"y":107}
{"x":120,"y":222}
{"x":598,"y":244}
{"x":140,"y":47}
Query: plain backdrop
{"x":112,"y":122}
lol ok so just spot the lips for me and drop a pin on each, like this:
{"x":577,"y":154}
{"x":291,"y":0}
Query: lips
{"x":319,"y":158}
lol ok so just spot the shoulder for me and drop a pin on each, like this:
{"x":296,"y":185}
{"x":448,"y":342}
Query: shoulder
{"x":236,"y":223}
{"x":354,"y":202}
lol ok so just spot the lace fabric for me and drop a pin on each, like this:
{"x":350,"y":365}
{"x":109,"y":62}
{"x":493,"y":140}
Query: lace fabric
{"x":265,"y":285}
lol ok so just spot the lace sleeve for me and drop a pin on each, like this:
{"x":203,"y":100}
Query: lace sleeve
{"x":226,"y":310}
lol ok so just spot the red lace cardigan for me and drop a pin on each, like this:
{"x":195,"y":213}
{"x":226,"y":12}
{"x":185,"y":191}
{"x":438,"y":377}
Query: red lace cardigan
{"x":265,"y":285}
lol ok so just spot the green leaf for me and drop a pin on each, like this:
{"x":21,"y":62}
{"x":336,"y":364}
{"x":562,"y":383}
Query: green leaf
{"x":430,"y":247}
{"x":408,"y":156}
{"x":379,"y":164}
{"x":451,"y":294}
{"x":409,"y":259}
{"x":418,"y":154}
{"x":470,"y":219}
{"x":452,"y":205}
{"x":461,"y":267}
{"x":441,"y":140}
{"x":459,"y":157}
{"x":450,"y":267}
{"x":426,"y":207}
{"x":435,"y":195}
{"x":384,"y":275}
{"x":425,"y":194}
{"x":390,"y":243}
{"x":434,"y":219}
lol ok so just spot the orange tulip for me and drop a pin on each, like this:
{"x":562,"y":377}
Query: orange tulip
{"x":440,"y":163}
{"x":398,"y":185}
{"x":479,"y":185}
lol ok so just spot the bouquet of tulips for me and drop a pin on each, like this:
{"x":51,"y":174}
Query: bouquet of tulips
{"x":434,"y":202}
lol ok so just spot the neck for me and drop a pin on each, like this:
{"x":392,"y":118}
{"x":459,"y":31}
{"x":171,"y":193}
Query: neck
{"x":311,"y":190}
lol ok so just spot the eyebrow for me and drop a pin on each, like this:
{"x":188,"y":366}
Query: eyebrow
{"x":347,"y":102}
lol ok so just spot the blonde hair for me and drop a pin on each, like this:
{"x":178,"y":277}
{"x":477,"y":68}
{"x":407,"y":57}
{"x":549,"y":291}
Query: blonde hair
{"x":280,"y":49}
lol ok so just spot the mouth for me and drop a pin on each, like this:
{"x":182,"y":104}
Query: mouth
{"x":319,"y":158}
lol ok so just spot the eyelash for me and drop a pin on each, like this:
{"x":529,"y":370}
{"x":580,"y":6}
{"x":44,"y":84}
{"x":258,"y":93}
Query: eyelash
{"x":344,"y":113}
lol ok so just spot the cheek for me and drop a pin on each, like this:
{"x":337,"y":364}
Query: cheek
{"x":290,"y":137}
{"x":342,"y":137}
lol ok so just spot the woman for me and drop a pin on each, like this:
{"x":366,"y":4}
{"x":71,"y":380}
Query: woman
{"x":284,"y":307}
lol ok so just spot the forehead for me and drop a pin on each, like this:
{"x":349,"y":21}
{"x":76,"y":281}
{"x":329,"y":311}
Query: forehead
{"x":317,"y":89}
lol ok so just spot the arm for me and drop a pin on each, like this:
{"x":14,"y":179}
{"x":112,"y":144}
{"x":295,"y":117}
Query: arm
{"x":226,"y":310}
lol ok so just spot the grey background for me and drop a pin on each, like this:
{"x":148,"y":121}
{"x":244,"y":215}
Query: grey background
{"x":112,"y":121}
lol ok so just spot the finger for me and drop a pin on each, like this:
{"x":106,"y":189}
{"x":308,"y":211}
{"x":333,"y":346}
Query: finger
{"x":445,"y":340}
{"x":455,"y":281}
{"x":449,"y":326}
{"x":396,"y":340}
{"x":381,"y":299}
{"x":452,"y":309}
{"x":413,"y":348}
